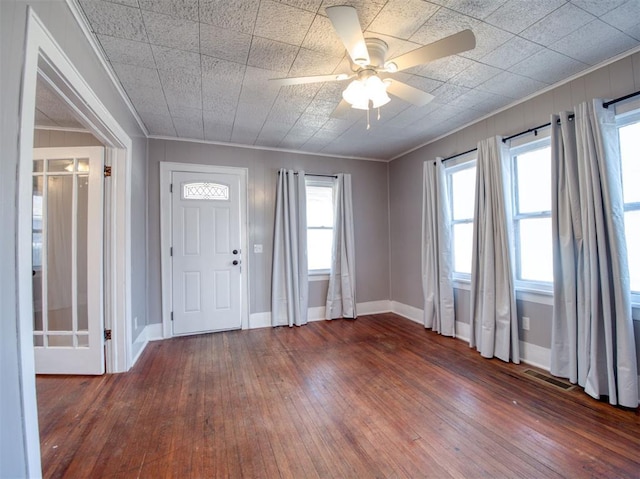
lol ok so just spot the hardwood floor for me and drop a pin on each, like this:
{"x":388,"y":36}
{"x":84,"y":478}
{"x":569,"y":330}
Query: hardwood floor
{"x":372,"y":398}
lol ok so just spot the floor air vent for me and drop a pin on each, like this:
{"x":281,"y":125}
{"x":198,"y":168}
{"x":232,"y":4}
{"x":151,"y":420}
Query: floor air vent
{"x":565,"y":386}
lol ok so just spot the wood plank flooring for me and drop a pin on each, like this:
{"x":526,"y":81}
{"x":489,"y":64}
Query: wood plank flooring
{"x":379,"y":397}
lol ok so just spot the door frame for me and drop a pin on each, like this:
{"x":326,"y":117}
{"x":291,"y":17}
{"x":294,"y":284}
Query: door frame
{"x":166,"y":170}
{"x":44,"y":58}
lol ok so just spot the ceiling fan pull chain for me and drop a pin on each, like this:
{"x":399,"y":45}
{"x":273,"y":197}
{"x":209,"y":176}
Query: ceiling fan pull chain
{"x":378,"y":113}
{"x":368,"y":125}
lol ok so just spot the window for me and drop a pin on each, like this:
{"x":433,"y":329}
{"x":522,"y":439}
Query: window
{"x":319,"y":224}
{"x":461,"y":181}
{"x":531,"y":194}
{"x":629,"y":136}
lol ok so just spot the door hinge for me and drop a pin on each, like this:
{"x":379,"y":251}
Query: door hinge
{"x":107,"y":171}
{"x":171,"y":251}
{"x":170,"y":187}
{"x":107,"y":335}
{"x":171,"y":315}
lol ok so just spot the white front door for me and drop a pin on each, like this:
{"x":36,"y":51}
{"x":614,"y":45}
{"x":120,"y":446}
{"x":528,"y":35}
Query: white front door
{"x":67,"y":239}
{"x":206,"y":255}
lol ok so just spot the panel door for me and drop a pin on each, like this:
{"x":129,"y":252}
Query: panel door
{"x":67,"y":247}
{"x":206,"y":256}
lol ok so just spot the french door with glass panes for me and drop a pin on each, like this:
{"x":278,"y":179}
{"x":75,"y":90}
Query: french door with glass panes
{"x":67,"y":260}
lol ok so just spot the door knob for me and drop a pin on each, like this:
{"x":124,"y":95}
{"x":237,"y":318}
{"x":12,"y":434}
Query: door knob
{"x":235,"y":262}
{"x":235,"y":251}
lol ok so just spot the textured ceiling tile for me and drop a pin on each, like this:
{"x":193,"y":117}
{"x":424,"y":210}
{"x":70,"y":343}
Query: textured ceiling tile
{"x":488,"y":38}
{"x":548,"y":66}
{"x":448,"y":93}
{"x":239,"y":15}
{"x":422,"y":83}
{"x":244,"y":136}
{"x":323,"y":38}
{"x":191,"y":114}
{"x":516,"y":15}
{"x":337,"y":125}
{"x":221,"y":78}
{"x":314,"y":122}
{"x":294,"y":141}
{"x":272,"y":55}
{"x":511,"y":85}
{"x":187,"y":9}
{"x":308,"y":62}
{"x":182,"y":91}
{"x":178,"y":60}
{"x":114,"y":20}
{"x":215,"y":131}
{"x":401,"y":18}
{"x":367,"y":9}
{"x":557,"y":24}
{"x":310,"y":5}
{"x":598,"y":7}
{"x":282,"y":23}
{"x":54,"y":108}
{"x":320,"y":107}
{"x":626,"y":18}
{"x":129,"y":52}
{"x":43,"y":120}
{"x":132,"y":75}
{"x":331,"y":91}
{"x":159,"y":125}
{"x":443,"y":23}
{"x":486,"y":102}
{"x":594,"y":43}
{"x":475,"y":8}
{"x":442,"y":69}
{"x":510,"y":53}
{"x":224,"y":43}
{"x":474,"y":75}
{"x":129,"y":3}
{"x":171,"y":32}
{"x":189,"y":128}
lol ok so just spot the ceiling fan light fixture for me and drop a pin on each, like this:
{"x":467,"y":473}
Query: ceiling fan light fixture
{"x":391,"y":67}
{"x":362,"y":91}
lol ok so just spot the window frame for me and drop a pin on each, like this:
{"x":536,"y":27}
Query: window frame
{"x":625,"y":119}
{"x":324,"y":182}
{"x":462,"y":163}
{"x":528,"y":285}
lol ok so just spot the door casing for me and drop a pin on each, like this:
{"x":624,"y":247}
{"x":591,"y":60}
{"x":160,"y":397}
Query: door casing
{"x":166,"y":169}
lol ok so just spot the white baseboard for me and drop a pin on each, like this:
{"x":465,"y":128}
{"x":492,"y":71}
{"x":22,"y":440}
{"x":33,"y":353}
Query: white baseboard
{"x":151,"y":332}
{"x":463,"y":331}
{"x":414,"y":314}
{"x":535,"y":355}
{"x":374,"y":307}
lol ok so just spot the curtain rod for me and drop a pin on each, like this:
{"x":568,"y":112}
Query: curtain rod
{"x":313,"y":174}
{"x":534,"y":130}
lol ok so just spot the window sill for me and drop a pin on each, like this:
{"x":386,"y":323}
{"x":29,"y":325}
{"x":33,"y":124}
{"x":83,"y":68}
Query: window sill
{"x":318,"y":276}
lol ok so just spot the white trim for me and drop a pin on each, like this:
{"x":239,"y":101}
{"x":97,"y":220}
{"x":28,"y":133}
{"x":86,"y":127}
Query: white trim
{"x":535,"y":355}
{"x":151,"y":332}
{"x":260,"y":320}
{"x":374,"y":307}
{"x":581,"y":74}
{"x":317,"y":277}
{"x":414,"y":314}
{"x":84,"y":25}
{"x":264,"y":148}
{"x":463,"y":331}
{"x":166,"y":169}
{"x":533,"y":296}
{"x":43,"y":56}
{"x":61,"y":128}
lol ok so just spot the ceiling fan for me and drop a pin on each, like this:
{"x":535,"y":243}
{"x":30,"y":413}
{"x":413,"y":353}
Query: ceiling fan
{"x":370,"y":68}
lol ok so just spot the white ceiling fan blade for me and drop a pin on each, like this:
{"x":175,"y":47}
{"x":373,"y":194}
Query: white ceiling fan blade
{"x":347,"y":26}
{"x":309,"y":79}
{"x":451,"y":45}
{"x":409,"y":93}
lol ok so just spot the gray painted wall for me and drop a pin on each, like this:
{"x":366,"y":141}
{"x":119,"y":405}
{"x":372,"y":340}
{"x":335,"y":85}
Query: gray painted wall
{"x":405,"y":184}
{"x":59,"y":21}
{"x":370,"y":202}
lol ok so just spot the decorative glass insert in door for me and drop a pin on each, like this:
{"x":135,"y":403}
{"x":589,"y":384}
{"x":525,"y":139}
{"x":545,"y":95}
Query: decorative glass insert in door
{"x":59,"y":247}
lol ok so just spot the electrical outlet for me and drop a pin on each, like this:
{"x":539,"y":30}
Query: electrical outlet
{"x":525,"y":323}
{"x":257,"y":248}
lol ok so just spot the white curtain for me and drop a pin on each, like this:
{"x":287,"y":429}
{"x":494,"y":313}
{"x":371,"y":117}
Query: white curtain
{"x":439,"y":314}
{"x":494,"y":326}
{"x":592,"y":340}
{"x":289,"y":284}
{"x":341,"y":296}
